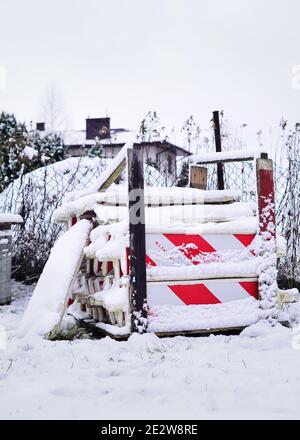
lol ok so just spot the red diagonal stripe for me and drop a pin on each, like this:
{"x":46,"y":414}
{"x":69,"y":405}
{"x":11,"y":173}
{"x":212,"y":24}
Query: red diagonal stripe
{"x":149,"y":261}
{"x":192,"y":294}
{"x":201,"y":245}
{"x":251,"y":288}
{"x":245,"y":239}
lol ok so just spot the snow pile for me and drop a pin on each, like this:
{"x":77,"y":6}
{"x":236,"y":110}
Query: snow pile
{"x":36,"y":195}
{"x":165,"y":318}
{"x":49,"y":296}
{"x":29,"y":153}
{"x":97,"y":184}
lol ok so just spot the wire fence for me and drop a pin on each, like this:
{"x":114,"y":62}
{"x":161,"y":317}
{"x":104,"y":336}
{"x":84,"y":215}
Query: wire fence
{"x":36,"y":195}
{"x":238,"y":176}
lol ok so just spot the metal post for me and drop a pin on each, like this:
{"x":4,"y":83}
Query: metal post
{"x":220,"y":173}
{"x":5,"y":263}
{"x":137,"y":245}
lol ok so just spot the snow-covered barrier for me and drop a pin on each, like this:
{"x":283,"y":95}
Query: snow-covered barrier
{"x":198,"y":261}
{"x":55,"y":285}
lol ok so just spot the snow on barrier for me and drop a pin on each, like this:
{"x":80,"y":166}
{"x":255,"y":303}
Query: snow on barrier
{"x":171,"y":249}
{"x":56,"y":282}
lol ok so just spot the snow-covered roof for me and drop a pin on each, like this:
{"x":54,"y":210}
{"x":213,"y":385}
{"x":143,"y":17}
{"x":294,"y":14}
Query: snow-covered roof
{"x":118,"y":136}
{"x":78,"y":137}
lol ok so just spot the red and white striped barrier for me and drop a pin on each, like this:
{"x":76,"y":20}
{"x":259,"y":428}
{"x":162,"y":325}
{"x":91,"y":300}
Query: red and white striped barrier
{"x":205,"y":292}
{"x":169,"y":249}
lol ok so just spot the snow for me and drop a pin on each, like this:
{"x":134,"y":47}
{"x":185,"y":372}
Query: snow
{"x":242,"y":269}
{"x":76,"y":203}
{"x":97,"y":183}
{"x":29,"y":153}
{"x":225,"y":155}
{"x":45,"y":306}
{"x":251,"y":376}
{"x":242,"y":225}
{"x":10,"y":218}
{"x":281,"y":246}
{"x":174,"y":215}
{"x":166,"y":318}
{"x":78,"y":137}
{"x":114,"y":298}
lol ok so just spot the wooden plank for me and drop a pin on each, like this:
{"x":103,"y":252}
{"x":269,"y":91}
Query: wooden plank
{"x":113,"y":177}
{"x":241,"y":158}
{"x":216,"y":161}
{"x":200,"y":332}
{"x":218,"y":142}
{"x":198,"y":177}
{"x":137,"y":242}
{"x":91,"y":325}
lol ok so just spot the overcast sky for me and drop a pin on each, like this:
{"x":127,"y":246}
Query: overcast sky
{"x":179,"y":57}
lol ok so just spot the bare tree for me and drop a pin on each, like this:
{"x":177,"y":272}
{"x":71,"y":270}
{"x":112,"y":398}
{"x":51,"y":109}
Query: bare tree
{"x":53,"y":109}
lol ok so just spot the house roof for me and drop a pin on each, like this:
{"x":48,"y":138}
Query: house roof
{"x":118,"y":137}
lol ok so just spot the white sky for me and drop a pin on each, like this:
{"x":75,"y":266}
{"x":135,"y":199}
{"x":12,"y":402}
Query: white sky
{"x":179,"y":57}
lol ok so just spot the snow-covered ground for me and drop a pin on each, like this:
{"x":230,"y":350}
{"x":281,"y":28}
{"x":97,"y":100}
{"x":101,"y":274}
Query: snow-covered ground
{"x":254,"y":375}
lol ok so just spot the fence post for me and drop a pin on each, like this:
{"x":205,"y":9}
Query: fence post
{"x":137,"y":245}
{"x":267,"y":270}
{"x":220,"y":171}
{"x":266,"y":197}
{"x":5,"y":263}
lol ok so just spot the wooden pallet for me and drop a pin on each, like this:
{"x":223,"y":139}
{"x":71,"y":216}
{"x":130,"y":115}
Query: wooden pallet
{"x":91,"y":325}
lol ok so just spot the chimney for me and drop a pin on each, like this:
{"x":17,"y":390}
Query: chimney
{"x":40,"y":126}
{"x":97,"y":127}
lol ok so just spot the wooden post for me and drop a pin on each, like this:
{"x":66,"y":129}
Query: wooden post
{"x":266,"y":197}
{"x":267,"y":231}
{"x":137,"y":245}
{"x":220,"y":174}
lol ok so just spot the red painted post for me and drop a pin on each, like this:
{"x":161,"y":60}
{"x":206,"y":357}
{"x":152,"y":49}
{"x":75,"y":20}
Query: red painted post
{"x":266,"y":198}
{"x":267,"y":270}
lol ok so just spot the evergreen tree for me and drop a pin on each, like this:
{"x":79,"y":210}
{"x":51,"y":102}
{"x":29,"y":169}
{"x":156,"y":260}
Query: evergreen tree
{"x":96,"y":150}
{"x":13,"y":140}
{"x":22,"y":151}
{"x":183,"y":178}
